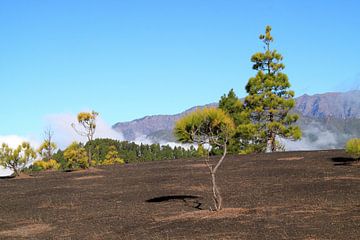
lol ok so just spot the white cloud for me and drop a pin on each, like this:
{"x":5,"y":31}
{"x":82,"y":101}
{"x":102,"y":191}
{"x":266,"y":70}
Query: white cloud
{"x":323,"y":139}
{"x":143,"y":139}
{"x":64,"y":134}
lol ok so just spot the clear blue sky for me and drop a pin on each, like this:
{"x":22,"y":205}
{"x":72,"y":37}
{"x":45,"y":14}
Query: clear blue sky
{"x":128,"y":59}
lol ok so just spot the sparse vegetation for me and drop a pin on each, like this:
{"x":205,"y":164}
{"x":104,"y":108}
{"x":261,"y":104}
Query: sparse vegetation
{"x":48,"y":147}
{"x":353,"y":148}
{"x":211,"y":127}
{"x":18,"y":158}
{"x":87,"y":121}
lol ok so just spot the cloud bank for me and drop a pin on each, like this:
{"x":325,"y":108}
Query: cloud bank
{"x":64,"y":134}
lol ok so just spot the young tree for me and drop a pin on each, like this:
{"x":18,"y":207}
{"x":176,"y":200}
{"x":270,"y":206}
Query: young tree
{"x":209,"y":126}
{"x":48,"y":147}
{"x":112,"y":157}
{"x":87,"y":120}
{"x":75,"y":156}
{"x":269,"y":99}
{"x":16,"y":159}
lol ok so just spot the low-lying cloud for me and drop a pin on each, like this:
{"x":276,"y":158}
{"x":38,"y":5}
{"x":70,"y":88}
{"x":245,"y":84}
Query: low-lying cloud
{"x":315,"y":137}
{"x":64,"y":134}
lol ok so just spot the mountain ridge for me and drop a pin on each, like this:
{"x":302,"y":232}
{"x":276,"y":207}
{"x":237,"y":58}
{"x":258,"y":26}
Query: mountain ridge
{"x":324,"y":111}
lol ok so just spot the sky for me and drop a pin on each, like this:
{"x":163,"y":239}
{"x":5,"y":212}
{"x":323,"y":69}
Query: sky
{"x":129,"y":59}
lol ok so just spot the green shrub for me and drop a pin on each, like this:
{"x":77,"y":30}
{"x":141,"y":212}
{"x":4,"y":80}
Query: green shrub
{"x":353,"y":147}
{"x":45,"y":165}
{"x":75,"y":156}
{"x":112,"y":157}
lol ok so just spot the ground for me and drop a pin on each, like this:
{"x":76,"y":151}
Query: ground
{"x":291,"y":195}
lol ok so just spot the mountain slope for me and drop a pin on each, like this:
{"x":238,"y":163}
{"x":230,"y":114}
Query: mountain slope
{"x":157,"y":127}
{"x":336,"y":105}
{"x":327,"y":121}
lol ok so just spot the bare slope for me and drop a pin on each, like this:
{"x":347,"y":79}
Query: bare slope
{"x":294,"y":195}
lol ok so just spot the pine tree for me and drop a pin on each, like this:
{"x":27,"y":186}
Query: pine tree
{"x":212,"y":127}
{"x":269,"y":99}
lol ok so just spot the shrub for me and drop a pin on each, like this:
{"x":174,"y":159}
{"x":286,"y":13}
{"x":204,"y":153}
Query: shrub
{"x":45,"y":165}
{"x":75,"y":157}
{"x":113,"y":161}
{"x":353,"y":147}
{"x":112,"y":157}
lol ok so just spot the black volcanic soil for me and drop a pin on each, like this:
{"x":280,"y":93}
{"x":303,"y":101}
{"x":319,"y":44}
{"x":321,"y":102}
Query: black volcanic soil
{"x":294,"y":195}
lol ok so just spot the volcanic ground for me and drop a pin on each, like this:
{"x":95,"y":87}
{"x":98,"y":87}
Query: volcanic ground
{"x":289,"y":195}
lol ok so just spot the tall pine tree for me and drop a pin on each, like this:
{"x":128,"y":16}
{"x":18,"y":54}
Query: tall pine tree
{"x":269,"y":99}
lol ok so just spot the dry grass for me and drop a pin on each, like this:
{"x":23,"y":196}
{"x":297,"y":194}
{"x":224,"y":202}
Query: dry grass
{"x":206,"y":214}
{"x":290,"y":158}
{"x":199,"y":188}
{"x":196,"y":165}
{"x":26,"y":231}
{"x":89,"y":177}
{"x":342,"y":178}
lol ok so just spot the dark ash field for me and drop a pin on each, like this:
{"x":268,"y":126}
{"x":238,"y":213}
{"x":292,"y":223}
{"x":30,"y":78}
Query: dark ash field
{"x":291,"y":195}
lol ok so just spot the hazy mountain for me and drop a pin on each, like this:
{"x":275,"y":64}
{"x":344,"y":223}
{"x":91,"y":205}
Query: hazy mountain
{"x":156,"y":128}
{"x":336,"y":105}
{"x":327,"y":121}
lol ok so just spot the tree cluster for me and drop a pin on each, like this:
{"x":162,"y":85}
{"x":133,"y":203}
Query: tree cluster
{"x":106,"y":151}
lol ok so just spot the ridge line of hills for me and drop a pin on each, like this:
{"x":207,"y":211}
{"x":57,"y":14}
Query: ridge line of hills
{"x":327,"y":121}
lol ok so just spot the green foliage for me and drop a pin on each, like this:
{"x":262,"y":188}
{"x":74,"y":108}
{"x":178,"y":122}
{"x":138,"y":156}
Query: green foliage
{"x":269,"y":99}
{"x":16,"y":159}
{"x":207,"y":126}
{"x":353,"y":147}
{"x":201,"y":151}
{"x":132,"y":152}
{"x":75,"y":157}
{"x":112,"y":157}
{"x":87,"y":121}
{"x":46,"y":150}
{"x":246,"y":138}
{"x":210,"y":126}
{"x":45,"y":165}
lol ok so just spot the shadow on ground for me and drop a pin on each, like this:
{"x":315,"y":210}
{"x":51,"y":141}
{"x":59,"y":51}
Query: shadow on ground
{"x":189,"y":200}
{"x":343,"y":161}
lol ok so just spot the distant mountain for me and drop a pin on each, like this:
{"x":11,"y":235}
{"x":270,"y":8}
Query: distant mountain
{"x":157,"y":128}
{"x":336,"y":105}
{"x":327,"y":121}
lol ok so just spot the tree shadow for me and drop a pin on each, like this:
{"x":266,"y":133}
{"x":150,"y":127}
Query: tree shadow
{"x":343,"y":161}
{"x":189,"y":200}
{"x":7,"y":177}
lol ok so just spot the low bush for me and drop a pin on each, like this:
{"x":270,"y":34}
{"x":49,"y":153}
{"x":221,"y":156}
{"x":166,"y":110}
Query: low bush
{"x":75,"y":157}
{"x":45,"y":165}
{"x":353,"y":147}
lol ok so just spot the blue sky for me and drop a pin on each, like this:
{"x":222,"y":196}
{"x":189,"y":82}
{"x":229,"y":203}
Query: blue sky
{"x":128,"y":59}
